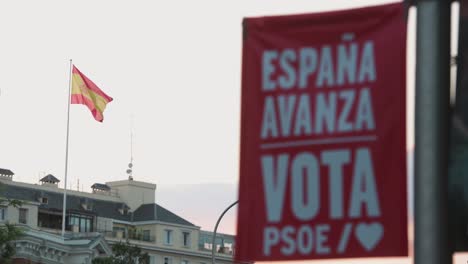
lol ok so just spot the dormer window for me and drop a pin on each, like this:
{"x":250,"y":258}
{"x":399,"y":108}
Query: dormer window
{"x":86,"y":204}
{"x":44,"y":200}
{"x":124,"y":209}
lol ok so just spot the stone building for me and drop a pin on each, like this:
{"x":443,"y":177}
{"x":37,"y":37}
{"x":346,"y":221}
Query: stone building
{"x":112,"y":212}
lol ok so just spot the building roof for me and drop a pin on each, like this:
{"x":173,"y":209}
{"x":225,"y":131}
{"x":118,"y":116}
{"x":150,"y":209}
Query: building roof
{"x":50,"y":178}
{"x":75,"y":203}
{"x":148,"y":212}
{"x":101,"y":208}
{"x":6,"y":172}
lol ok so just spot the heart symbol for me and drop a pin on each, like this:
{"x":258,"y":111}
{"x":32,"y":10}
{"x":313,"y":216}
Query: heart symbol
{"x":369,"y":235}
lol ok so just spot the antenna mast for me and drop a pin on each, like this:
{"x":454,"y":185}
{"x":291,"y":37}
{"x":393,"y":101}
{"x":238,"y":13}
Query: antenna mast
{"x":130,"y":165}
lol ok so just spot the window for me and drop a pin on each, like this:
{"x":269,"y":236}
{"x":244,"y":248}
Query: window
{"x":124,"y":211}
{"x":3,"y":211}
{"x":146,"y":235}
{"x":208,"y":246}
{"x":167,"y":260}
{"x":186,"y":239}
{"x":228,"y":247}
{"x":184,"y":262}
{"x":84,"y":222}
{"x":119,"y":232}
{"x":168,"y":240}
{"x":44,"y":200}
{"x":23,"y":215}
{"x":152,"y":259}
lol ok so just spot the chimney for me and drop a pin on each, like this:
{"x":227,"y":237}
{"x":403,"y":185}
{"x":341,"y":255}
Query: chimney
{"x":99,"y":188}
{"x":6,"y":174}
{"x":50,"y":181}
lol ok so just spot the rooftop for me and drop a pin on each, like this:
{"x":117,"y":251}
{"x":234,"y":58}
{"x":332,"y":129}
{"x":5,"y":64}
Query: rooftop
{"x":156,"y":212}
{"x":86,"y":204}
{"x":50,"y":178}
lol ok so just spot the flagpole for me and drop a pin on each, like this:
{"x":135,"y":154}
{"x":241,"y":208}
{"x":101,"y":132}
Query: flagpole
{"x":66,"y":153}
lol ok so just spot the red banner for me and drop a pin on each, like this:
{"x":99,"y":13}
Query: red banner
{"x":323,"y":151}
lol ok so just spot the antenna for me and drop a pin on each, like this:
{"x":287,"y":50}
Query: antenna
{"x":40,"y":174}
{"x":130,"y":165}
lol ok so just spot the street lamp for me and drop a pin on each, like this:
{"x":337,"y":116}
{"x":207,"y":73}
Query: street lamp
{"x":213,"y":246}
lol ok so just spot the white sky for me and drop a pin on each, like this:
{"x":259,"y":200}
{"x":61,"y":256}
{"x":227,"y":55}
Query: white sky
{"x":174,"y":65}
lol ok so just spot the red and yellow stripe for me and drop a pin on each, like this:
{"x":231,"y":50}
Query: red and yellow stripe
{"x":85,"y":92}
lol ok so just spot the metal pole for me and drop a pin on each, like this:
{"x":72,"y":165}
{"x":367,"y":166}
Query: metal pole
{"x":213,"y":247}
{"x":66,"y":154}
{"x":431,"y":243}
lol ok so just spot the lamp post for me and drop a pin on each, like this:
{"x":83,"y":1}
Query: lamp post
{"x":213,"y":246}
{"x":432,"y":127}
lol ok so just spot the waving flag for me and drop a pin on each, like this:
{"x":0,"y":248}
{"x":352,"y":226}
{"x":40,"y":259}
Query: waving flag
{"x":85,"y":92}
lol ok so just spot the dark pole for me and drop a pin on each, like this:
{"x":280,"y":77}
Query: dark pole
{"x":432,"y":127}
{"x":213,"y":246}
{"x":458,"y":166}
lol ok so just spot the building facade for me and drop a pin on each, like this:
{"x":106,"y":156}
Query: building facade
{"x":115,"y":211}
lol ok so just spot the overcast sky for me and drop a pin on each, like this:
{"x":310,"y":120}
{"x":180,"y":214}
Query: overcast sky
{"x":172,"y":65}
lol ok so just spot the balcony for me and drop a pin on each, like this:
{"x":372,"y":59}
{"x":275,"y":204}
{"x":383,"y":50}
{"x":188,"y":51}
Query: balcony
{"x":68,"y":234}
{"x":225,"y":250}
{"x":131,"y":236}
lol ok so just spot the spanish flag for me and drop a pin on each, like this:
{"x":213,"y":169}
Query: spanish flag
{"x":85,"y":92}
